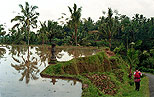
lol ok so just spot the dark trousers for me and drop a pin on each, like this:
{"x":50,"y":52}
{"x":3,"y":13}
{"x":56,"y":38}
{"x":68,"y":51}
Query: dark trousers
{"x":137,"y":84}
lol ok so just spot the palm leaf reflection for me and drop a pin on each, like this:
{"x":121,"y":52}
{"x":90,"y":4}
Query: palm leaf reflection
{"x":2,"y":52}
{"x":27,"y":68}
{"x":44,"y":53}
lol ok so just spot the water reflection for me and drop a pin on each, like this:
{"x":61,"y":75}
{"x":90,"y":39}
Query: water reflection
{"x":64,"y":53}
{"x":44,"y":53}
{"x":53,"y":80}
{"x":2,"y":52}
{"x":27,"y":60}
{"x":17,"y":50}
{"x":24,"y":63}
{"x":27,"y":67}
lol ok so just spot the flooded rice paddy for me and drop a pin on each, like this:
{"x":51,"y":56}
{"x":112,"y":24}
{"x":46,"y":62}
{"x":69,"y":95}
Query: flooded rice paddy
{"x":20,"y":68}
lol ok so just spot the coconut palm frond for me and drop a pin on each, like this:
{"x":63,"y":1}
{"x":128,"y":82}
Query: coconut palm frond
{"x":15,"y":59}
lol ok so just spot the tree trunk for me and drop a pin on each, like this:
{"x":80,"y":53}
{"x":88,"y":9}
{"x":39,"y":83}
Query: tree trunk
{"x":43,"y":41}
{"x":28,"y":55}
{"x":110,"y":40}
{"x":76,"y":35}
{"x":28,"y":30}
{"x":28,"y":37}
{"x":50,"y":39}
{"x":127,"y":43}
{"x":130,"y":72}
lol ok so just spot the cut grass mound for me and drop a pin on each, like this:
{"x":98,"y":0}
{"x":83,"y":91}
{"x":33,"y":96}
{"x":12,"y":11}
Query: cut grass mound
{"x":103,"y":83}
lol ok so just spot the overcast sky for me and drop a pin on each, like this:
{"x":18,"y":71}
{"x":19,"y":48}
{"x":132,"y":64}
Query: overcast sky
{"x":53,"y":9}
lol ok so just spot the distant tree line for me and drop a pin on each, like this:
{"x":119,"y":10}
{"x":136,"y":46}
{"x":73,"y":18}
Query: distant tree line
{"x":112,"y":30}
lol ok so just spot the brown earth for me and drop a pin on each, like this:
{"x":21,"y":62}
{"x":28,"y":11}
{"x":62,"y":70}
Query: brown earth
{"x":109,"y":53}
{"x":103,"y":83}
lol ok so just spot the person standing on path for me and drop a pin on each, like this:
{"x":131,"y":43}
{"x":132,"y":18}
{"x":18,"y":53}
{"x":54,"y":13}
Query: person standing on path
{"x":137,"y":79}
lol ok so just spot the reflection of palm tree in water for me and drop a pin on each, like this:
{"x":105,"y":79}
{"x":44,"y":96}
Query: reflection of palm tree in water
{"x":28,"y":68}
{"x":17,"y":50}
{"x":2,"y":52}
{"x":44,"y":53}
{"x":76,"y":52}
{"x":53,"y":80}
{"x":79,"y":52}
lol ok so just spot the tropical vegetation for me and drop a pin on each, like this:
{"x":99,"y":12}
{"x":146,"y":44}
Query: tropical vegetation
{"x":131,"y":38}
{"x":111,"y":30}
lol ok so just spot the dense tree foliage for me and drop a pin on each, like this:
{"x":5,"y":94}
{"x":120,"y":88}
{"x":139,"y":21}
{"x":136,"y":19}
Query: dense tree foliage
{"x":113,"y":30}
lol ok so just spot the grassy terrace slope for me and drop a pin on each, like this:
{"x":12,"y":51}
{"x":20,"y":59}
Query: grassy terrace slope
{"x":100,"y":75}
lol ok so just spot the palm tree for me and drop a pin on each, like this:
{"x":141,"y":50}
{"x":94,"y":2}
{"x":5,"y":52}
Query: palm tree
{"x":109,"y":25}
{"x":50,"y":30}
{"x":75,"y":19}
{"x":43,"y":32}
{"x":27,"y":19}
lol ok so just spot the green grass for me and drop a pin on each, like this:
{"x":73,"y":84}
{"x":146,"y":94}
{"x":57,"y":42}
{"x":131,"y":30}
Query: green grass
{"x":124,"y":89}
{"x":129,"y":91}
{"x":117,"y":71}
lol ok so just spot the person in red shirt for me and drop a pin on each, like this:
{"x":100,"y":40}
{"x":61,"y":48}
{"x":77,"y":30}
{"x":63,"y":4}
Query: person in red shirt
{"x":137,"y":79}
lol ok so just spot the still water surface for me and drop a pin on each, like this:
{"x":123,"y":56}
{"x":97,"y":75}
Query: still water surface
{"x":20,"y":68}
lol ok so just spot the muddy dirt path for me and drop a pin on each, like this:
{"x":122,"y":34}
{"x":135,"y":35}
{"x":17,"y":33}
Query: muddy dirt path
{"x":151,"y":83}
